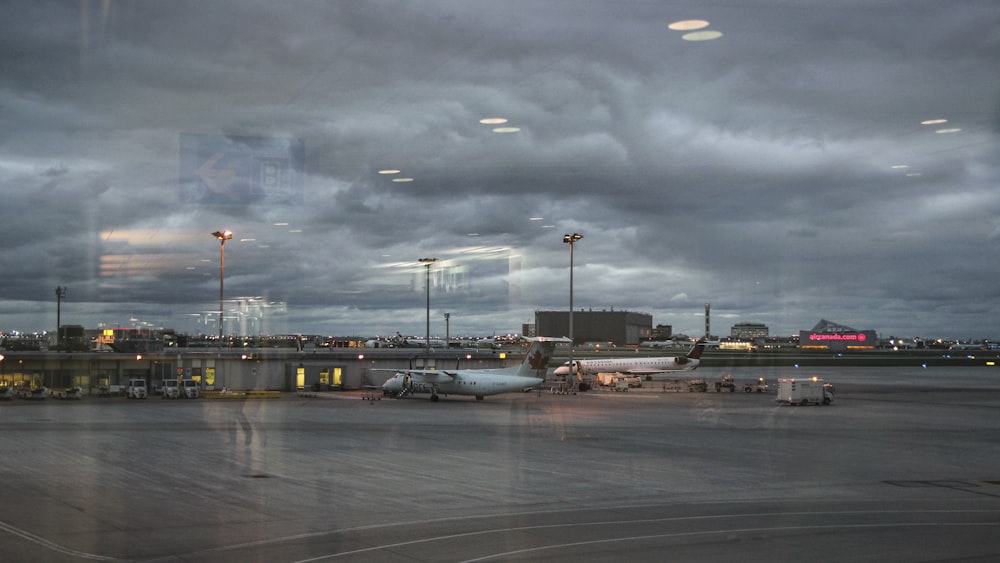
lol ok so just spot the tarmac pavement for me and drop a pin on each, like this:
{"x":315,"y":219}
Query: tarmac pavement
{"x":903,"y":466}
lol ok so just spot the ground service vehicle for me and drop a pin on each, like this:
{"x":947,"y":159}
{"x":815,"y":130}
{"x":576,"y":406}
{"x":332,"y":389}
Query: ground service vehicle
{"x":189,"y":389}
{"x":73,"y":393}
{"x":697,"y":386}
{"x":36,"y":394}
{"x":759,"y":387}
{"x":810,"y":391}
{"x":726,"y":383}
{"x":136,"y":389}
{"x":171,"y":390}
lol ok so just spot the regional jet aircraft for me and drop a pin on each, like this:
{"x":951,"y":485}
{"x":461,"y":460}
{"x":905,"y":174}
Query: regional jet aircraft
{"x":477,"y":382}
{"x":650,"y":369}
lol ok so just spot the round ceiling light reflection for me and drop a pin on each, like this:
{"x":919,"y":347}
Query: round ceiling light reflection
{"x":506,"y":129}
{"x":402,"y":180}
{"x":706,"y":35}
{"x":389,"y":171}
{"x":493,"y":120}
{"x":688,"y":25}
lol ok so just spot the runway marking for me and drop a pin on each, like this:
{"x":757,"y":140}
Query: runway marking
{"x":648,"y":520}
{"x":52,"y":546}
{"x":962,"y":486}
{"x":718,"y":532}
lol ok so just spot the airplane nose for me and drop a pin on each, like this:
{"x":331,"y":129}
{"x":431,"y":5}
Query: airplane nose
{"x":561,"y":370}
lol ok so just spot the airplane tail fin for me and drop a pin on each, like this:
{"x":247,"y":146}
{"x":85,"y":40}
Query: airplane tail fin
{"x":536,"y":361}
{"x":695,"y":353}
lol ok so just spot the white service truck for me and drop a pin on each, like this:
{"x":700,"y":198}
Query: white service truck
{"x":136,"y":389}
{"x":189,"y":389}
{"x":171,"y":390}
{"x":808,"y":391}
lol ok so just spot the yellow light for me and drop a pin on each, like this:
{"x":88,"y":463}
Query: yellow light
{"x":934,"y":122}
{"x":688,"y":25}
{"x":389,"y":171}
{"x":493,"y":120}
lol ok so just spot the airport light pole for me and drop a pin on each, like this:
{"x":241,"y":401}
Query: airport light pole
{"x":427,"y":283}
{"x":571,"y":241}
{"x":60,"y":293}
{"x":222,"y":236}
{"x":447,"y":330}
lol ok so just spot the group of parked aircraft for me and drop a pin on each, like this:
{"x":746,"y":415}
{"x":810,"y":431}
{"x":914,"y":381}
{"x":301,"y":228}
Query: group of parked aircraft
{"x":531,"y":372}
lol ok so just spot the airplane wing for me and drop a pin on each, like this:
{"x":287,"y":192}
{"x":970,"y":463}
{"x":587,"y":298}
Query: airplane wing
{"x":429,"y":376}
{"x":425,"y":375}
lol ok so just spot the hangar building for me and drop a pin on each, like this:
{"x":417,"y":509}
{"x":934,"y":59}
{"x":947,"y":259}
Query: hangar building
{"x":621,"y":328}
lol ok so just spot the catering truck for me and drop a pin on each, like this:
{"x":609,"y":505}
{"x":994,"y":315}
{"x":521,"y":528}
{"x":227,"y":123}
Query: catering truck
{"x":808,"y":391}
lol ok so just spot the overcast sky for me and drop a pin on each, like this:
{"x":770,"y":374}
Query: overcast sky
{"x":780,"y":172}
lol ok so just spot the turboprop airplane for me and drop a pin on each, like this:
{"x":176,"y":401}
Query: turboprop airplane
{"x":477,"y":382}
{"x":649,"y":369}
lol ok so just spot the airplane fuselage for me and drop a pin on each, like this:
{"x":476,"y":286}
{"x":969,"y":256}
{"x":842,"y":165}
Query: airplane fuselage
{"x":473,"y":382}
{"x":648,"y":367}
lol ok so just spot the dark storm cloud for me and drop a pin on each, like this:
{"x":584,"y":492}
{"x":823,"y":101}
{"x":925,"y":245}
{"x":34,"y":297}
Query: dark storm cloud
{"x":755,"y":172}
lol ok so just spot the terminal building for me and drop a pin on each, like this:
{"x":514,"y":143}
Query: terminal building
{"x":749,"y":331}
{"x":620,"y":328}
{"x":835,"y":337}
{"x":279,"y":369}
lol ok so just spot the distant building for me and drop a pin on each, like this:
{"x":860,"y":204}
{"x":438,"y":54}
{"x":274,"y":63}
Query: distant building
{"x":835,"y":337}
{"x":621,"y":328}
{"x":662,"y":333}
{"x":749,"y":331}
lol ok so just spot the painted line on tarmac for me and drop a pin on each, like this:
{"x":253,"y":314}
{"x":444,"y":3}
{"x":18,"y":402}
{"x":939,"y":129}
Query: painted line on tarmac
{"x":52,"y":546}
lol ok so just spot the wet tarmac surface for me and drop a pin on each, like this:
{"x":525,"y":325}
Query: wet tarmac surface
{"x":904,"y":466}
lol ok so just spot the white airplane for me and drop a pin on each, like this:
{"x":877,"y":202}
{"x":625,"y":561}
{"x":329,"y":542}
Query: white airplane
{"x":650,"y":369}
{"x":400,"y":341}
{"x":476,"y":382}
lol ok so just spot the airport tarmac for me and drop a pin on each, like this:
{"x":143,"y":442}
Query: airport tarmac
{"x":904,"y":466}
